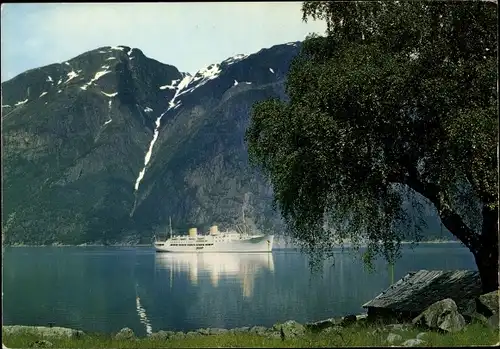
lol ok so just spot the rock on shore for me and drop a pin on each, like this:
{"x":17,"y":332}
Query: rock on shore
{"x":441,"y":316}
{"x":42,"y":331}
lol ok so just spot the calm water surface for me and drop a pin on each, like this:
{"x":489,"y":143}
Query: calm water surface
{"x":103,"y":289}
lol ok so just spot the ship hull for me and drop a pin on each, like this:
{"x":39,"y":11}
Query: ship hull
{"x":260,"y":244}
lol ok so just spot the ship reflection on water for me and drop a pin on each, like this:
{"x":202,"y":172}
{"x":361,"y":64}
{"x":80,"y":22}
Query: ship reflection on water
{"x":215,"y":266}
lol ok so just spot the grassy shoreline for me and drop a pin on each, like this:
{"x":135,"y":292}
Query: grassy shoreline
{"x":366,"y":335}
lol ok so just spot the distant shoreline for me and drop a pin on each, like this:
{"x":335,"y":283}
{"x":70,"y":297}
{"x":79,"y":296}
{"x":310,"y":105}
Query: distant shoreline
{"x":431,"y":242}
{"x":347,"y":245}
{"x":82,"y":245}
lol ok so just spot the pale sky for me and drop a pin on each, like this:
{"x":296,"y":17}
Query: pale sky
{"x":186,"y":35}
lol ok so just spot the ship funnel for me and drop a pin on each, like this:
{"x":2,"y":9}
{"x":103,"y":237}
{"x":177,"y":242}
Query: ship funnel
{"x":214,"y":230}
{"x":193,"y":232}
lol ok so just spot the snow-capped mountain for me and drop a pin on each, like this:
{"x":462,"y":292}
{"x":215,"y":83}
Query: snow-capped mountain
{"x":106,"y":146}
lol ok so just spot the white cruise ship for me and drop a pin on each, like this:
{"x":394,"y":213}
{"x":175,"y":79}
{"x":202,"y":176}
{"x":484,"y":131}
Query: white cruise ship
{"x":215,"y":241}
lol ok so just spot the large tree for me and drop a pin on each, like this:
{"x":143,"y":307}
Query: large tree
{"x":397,"y":97}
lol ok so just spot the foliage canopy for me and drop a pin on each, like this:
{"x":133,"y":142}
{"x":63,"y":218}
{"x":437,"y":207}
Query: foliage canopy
{"x":397,"y":97}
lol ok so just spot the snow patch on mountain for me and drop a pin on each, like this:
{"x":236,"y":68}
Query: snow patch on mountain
{"x":209,"y":73}
{"x":67,"y":63}
{"x":183,"y":84}
{"x":189,"y":83}
{"x":71,"y":75}
{"x":103,"y":51}
{"x":109,"y":111}
{"x":42,"y":94}
{"x":180,"y":87}
{"x":117,"y":48}
{"x":60,"y":80}
{"x":49,"y":79}
{"x":99,"y":74}
{"x":171,"y":86}
{"x":174,"y":105}
{"x":95,"y":78}
{"x":21,"y":102}
{"x":234,"y":59}
{"x":155,"y":137}
{"x":109,"y":94}
{"x":110,"y":58}
{"x":148,"y":110}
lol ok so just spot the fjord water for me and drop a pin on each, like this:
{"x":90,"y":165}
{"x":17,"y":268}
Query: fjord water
{"x":103,"y":289}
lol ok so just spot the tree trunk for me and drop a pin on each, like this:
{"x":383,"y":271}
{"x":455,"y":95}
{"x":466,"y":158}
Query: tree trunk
{"x":484,"y":246}
{"x":487,"y":264}
{"x":486,"y":254}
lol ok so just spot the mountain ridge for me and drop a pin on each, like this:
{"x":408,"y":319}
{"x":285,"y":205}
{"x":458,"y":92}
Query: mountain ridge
{"x":77,"y":136}
{"x":79,"y":159}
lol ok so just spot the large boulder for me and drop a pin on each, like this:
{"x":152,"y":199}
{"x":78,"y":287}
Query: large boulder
{"x":483,"y":309}
{"x":125,"y":334}
{"x":348,"y":320}
{"x":442,"y":315}
{"x":319,"y":326}
{"x":392,"y":338}
{"x":290,"y":329}
{"x":487,"y":304}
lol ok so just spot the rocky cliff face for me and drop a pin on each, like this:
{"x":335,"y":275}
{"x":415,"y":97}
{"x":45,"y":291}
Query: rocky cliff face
{"x":107,"y":146}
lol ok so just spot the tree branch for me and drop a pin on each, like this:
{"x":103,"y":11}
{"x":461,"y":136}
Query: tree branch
{"x":450,"y":219}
